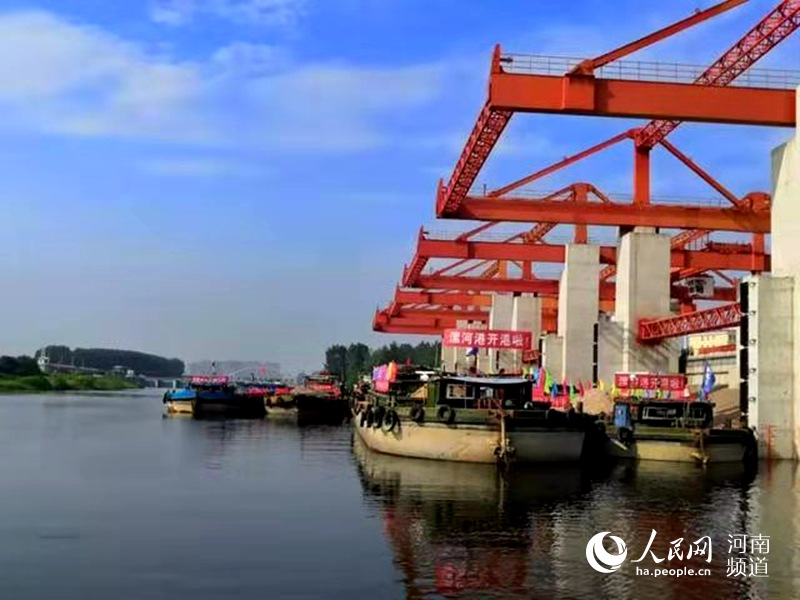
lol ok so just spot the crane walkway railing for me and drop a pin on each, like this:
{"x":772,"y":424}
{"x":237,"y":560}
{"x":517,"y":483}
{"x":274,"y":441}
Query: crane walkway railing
{"x":532,"y":193}
{"x":641,"y":70}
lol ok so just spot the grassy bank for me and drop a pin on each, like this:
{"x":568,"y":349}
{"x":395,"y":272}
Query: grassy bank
{"x":63,"y":382}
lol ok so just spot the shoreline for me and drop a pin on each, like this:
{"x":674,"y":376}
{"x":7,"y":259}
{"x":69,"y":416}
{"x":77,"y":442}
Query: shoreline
{"x":63,"y":383}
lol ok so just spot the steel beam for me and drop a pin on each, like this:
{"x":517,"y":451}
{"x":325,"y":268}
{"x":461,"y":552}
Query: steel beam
{"x":546,"y":287}
{"x":441,"y":298}
{"x":728,"y":258}
{"x":404,"y":329}
{"x":585,"y":95}
{"x":613,"y":215}
{"x":442,"y":313}
{"x":655,"y":330}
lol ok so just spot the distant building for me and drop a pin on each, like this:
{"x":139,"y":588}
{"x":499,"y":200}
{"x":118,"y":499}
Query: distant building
{"x":43,"y":361}
{"x":712,"y":342}
{"x":717,"y":348}
{"x":243,"y":369}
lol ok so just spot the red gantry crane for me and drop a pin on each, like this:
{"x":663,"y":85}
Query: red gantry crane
{"x":667,"y":94}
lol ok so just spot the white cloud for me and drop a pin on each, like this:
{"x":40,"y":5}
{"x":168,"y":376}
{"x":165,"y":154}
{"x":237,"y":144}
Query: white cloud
{"x":172,"y":12}
{"x":200,"y":167}
{"x":244,"y":58}
{"x":336,"y":106}
{"x":268,"y":13}
{"x":62,"y":77}
{"x":42,"y":56}
{"x":58,"y":76}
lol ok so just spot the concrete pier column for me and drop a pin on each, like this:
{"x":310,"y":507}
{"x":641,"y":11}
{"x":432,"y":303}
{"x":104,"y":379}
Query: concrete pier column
{"x":552,"y":354}
{"x":609,"y":342}
{"x":500,"y":317}
{"x":526,"y":316}
{"x":449,"y":358}
{"x":643,"y":292}
{"x":578,"y":306}
{"x":771,"y":364}
{"x":785,"y":208}
{"x":461,"y":361}
{"x":785,"y":267}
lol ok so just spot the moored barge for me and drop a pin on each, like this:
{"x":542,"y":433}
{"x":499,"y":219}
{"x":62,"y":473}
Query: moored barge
{"x":674,"y":431}
{"x":318,"y":400}
{"x":468,"y":419}
{"x":213,"y":395}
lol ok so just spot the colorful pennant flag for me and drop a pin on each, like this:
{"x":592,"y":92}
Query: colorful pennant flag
{"x":548,"y":383}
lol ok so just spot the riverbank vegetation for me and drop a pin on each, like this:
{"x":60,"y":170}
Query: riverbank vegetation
{"x":22,"y":374}
{"x":63,"y":382}
{"x":358,"y":359}
{"x":105,"y":359}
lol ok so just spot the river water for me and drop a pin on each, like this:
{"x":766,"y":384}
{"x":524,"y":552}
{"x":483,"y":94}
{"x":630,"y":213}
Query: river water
{"x":102,"y":497}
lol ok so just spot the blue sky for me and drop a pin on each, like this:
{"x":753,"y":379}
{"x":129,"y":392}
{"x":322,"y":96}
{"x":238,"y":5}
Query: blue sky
{"x":245,"y":178}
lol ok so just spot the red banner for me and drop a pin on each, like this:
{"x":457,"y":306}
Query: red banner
{"x":209,"y":379}
{"x":487,"y":338}
{"x":529,"y":356}
{"x":649,"y":381}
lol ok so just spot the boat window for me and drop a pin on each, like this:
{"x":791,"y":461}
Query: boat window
{"x":659,"y":412}
{"x":460,"y":391}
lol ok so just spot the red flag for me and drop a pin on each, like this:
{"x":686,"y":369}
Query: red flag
{"x":581,"y":388}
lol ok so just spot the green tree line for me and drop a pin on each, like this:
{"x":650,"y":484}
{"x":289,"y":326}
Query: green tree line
{"x":106,"y":359}
{"x":22,"y":374}
{"x":358,"y":359}
{"x":20,"y":366}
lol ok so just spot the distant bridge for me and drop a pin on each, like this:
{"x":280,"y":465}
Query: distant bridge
{"x":62,"y":368}
{"x":163,"y":382}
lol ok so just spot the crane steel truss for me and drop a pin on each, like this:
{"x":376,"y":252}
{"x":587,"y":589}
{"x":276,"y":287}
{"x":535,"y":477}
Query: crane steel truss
{"x":735,"y":257}
{"x":656,"y":330}
{"x":708,"y":99}
{"x":511,"y":85}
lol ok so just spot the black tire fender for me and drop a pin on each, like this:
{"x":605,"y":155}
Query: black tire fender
{"x":390,"y":421}
{"x":446,"y":414}
{"x":417,"y":413}
{"x":625,"y":435}
{"x":378,"y":415}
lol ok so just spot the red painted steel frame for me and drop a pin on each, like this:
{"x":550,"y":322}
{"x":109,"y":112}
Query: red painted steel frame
{"x":656,"y":330}
{"x":735,"y":257}
{"x":441,"y":298}
{"x":580,"y":91}
{"x":775,"y":27}
{"x":548,"y":287}
{"x":614,"y":215}
{"x":582,"y":94}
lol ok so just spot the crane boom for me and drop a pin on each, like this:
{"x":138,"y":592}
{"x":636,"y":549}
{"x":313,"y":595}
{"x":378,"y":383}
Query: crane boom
{"x":775,"y":27}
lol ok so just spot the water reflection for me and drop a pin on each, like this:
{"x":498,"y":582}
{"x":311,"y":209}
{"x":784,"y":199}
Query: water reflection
{"x":468,"y":531}
{"x":215,"y":441}
{"x":210,"y":442}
